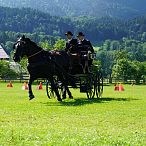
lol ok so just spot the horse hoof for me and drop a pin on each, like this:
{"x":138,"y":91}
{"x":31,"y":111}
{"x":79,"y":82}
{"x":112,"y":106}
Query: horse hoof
{"x":71,"y":97}
{"x":31,"y":97}
{"x":59,"y":99}
{"x":63,"y":97}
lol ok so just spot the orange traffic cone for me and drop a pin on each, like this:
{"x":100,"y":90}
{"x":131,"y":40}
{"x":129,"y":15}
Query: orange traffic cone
{"x":25,"y":86}
{"x":10,"y":85}
{"x":116,"y":87}
{"x":121,"y":88}
{"x":40,"y":87}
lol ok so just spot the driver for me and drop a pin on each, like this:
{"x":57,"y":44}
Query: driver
{"x":71,"y":44}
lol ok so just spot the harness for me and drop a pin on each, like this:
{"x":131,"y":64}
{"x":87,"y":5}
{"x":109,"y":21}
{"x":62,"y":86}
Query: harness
{"x":55,"y":53}
{"x":35,"y":54}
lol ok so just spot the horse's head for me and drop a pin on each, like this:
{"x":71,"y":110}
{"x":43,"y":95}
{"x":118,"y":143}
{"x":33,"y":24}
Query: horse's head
{"x":20,"y":48}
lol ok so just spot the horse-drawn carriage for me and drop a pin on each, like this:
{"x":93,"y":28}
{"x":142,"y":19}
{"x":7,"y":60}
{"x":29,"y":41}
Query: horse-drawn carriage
{"x":60,"y":69}
{"x":87,"y":76}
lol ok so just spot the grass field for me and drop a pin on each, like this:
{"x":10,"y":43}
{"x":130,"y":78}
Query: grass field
{"x":118,"y":118}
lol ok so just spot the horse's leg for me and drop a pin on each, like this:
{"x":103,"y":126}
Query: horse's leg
{"x":30,"y":93}
{"x":68,"y":92}
{"x":55,"y":89}
{"x":66,"y":89}
{"x":64,"y":93}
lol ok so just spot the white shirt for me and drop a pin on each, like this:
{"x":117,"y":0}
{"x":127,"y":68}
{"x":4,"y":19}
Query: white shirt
{"x":69,"y":40}
{"x":80,"y":41}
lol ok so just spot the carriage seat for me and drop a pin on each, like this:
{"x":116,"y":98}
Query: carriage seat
{"x":55,"y":53}
{"x":81,"y":61}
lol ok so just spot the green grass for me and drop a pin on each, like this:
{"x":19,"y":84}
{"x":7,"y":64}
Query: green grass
{"x":118,"y":118}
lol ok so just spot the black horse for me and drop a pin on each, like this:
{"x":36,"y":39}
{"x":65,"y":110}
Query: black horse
{"x":64,"y":60}
{"x":41,"y":64}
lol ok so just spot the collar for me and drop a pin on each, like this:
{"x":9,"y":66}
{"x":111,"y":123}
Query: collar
{"x":69,"y":40}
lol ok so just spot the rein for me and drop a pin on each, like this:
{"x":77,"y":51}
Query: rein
{"x":35,"y":54}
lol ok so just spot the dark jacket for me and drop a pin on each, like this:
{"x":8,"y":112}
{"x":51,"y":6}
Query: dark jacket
{"x":71,"y":46}
{"x":85,"y":44}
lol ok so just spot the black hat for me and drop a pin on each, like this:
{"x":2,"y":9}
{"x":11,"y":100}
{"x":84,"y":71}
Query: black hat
{"x":80,"y":34}
{"x":69,"y":32}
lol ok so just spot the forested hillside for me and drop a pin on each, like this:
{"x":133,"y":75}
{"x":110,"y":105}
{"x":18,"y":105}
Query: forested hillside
{"x":121,"y":43}
{"x":28,"y":20}
{"x":96,"y":29}
{"x":97,"y":8}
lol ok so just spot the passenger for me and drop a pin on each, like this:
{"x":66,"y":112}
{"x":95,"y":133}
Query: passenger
{"x":84,"y":46}
{"x":84,"y":43}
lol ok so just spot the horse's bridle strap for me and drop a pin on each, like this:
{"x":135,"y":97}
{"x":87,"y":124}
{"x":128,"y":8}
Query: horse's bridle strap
{"x":35,"y":54}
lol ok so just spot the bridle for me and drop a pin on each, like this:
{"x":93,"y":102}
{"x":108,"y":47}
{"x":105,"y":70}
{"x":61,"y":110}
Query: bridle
{"x":35,"y":54}
{"x":32,"y":54}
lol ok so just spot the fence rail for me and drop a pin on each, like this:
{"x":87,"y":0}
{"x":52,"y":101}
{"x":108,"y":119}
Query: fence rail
{"x":21,"y":78}
{"x":25,"y":77}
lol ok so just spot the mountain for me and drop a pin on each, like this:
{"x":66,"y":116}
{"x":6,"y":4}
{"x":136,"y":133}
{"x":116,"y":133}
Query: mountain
{"x":42,"y":27}
{"x":96,"y":29}
{"x":33,"y":21}
{"x":97,"y":8}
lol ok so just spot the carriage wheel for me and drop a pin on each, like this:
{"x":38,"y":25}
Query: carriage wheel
{"x":90,"y":87}
{"x":99,"y":84}
{"x":49,"y":90}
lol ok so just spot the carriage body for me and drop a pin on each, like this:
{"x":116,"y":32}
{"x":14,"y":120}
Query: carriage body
{"x":88,"y":77}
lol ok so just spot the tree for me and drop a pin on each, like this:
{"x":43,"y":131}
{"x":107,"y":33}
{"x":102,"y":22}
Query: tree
{"x":122,"y":69}
{"x":120,"y":54}
{"x":107,"y":60}
{"x":9,"y":46}
{"x":60,"y":44}
{"x":115,"y":45}
{"x":126,"y":69}
{"x":6,"y":71}
{"x":106,"y":45}
{"x":143,"y":38}
{"x":45,"y":45}
{"x":138,"y":70}
{"x":23,"y":64}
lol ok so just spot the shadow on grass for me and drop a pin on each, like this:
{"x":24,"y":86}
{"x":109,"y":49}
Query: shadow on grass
{"x":85,"y":101}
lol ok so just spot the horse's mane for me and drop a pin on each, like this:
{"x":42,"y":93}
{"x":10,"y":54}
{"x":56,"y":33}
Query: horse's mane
{"x":32,"y":43}
{"x":35,"y":45}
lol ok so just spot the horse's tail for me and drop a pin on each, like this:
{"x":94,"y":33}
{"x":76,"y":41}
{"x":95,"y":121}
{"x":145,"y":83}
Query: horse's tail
{"x":68,"y":78}
{"x":71,"y":80}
